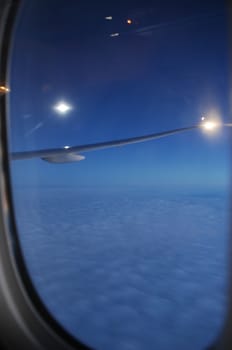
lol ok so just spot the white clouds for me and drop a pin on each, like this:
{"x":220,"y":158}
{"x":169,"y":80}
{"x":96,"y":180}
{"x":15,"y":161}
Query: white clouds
{"x":124,"y":262}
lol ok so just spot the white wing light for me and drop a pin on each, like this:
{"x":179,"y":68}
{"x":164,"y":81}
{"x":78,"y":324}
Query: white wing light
{"x":210,"y":125}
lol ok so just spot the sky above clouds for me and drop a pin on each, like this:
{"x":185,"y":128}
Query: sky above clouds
{"x":164,"y":70}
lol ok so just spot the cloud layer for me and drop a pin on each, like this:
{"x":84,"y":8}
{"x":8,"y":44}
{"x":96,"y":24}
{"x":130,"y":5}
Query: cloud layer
{"x":130,"y":269}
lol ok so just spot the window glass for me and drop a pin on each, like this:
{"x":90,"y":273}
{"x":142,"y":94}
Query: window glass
{"x":126,"y":246}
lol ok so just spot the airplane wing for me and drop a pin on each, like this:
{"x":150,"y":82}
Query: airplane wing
{"x":71,"y":154}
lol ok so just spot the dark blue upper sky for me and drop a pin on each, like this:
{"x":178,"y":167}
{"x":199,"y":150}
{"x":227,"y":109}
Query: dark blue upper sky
{"x":165,"y":70}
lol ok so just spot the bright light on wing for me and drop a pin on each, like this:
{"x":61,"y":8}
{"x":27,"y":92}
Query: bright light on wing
{"x":210,"y":125}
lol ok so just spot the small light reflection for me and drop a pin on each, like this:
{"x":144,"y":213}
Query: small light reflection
{"x":4,"y":89}
{"x":114,"y":34}
{"x":109,"y":18}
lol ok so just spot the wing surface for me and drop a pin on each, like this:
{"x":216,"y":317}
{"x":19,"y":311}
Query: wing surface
{"x":71,"y":154}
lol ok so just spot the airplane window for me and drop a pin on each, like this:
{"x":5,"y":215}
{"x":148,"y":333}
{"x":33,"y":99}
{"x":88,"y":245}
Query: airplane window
{"x":126,"y":246}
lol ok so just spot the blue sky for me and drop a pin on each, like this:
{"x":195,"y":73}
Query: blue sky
{"x":164,"y":71}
